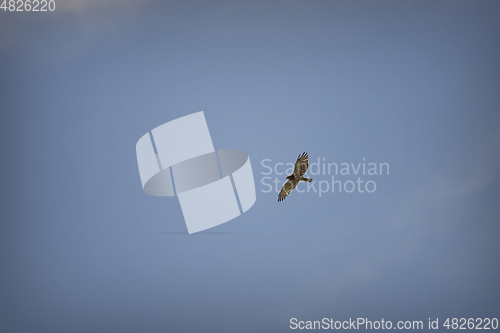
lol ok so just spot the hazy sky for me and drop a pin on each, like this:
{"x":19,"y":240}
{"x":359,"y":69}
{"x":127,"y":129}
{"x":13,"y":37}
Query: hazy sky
{"x":414,"y":84}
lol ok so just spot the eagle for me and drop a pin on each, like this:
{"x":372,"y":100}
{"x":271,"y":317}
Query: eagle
{"x":300,"y":169}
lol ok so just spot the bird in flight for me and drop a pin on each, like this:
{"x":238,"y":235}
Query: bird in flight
{"x":300,"y":169}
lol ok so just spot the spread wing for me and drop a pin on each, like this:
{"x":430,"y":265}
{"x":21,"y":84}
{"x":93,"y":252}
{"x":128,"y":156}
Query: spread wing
{"x":301,"y":165}
{"x":286,"y":189}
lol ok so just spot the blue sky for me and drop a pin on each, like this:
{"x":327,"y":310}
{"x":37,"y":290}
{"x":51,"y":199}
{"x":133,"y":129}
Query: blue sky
{"x":413,"y":84}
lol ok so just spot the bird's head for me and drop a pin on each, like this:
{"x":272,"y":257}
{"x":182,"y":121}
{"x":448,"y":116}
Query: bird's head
{"x":289,"y":177}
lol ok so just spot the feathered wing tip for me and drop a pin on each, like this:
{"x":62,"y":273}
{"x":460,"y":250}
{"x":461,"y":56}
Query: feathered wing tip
{"x":285,"y":190}
{"x":304,"y":154}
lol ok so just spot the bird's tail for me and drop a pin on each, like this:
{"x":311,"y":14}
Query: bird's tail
{"x":307,"y":179}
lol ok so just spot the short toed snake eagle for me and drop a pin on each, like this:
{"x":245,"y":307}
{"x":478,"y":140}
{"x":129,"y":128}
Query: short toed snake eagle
{"x":300,"y":169}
